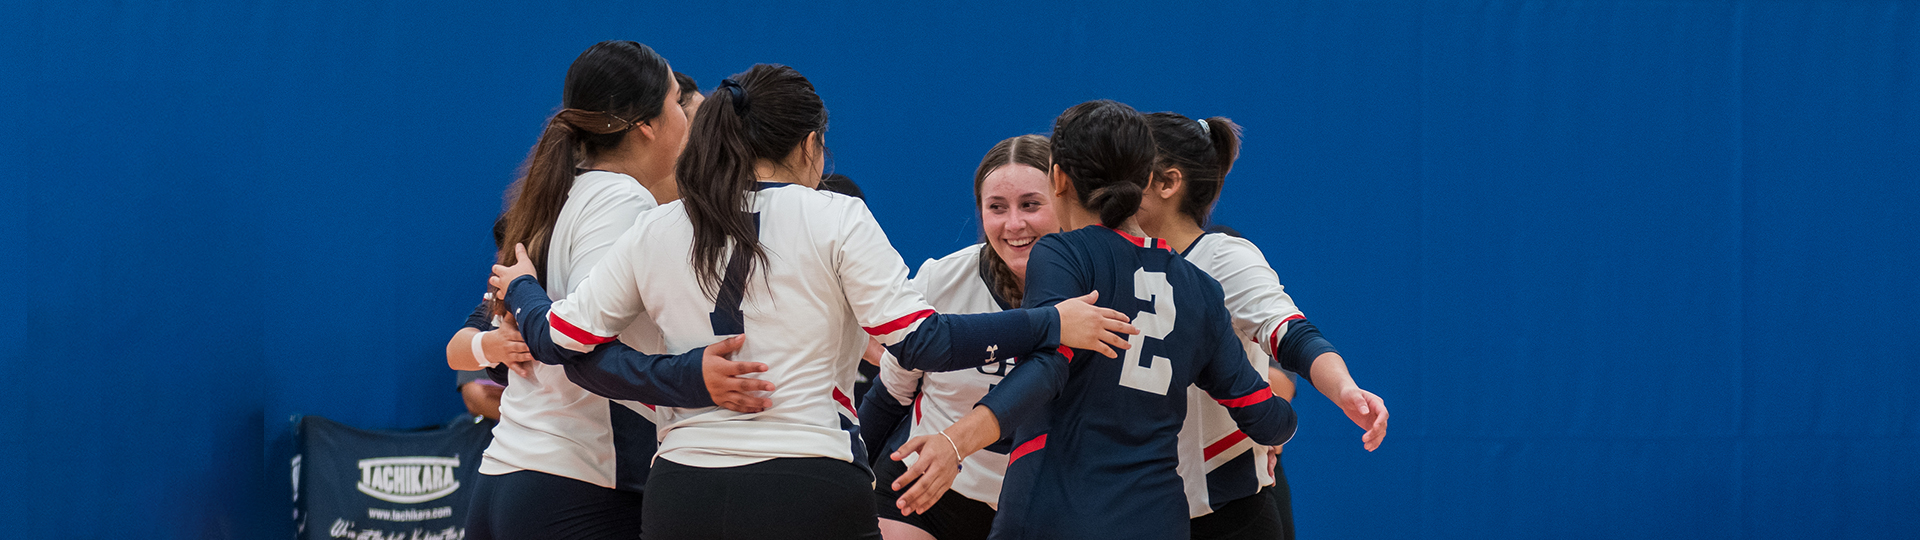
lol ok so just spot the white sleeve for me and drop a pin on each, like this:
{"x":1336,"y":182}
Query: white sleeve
{"x":1260,"y":306}
{"x":901,"y":382}
{"x":606,"y":299}
{"x":874,"y":279}
{"x":607,"y":214}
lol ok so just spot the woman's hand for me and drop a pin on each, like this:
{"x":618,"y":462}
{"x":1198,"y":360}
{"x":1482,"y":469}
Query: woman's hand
{"x":1090,"y":327}
{"x":725,"y":384}
{"x":874,"y":352}
{"x":513,"y":353}
{"x":504,"y":275}
{"x":1367,"y":411}
{"x":935,"y":470}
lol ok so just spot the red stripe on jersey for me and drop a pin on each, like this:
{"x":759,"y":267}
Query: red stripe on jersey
{"x":916,"y":408}
{"x":1256,"y":397}
{"x":650,"y":407}
{"x":899,"y":323}
{"x":1273,"y":341}
{"x":1027,"y":448}
{"x":845,"y":402}
{"x":574,"y":332}
{"x":1067,"y":352}
{"x":1223,"y":444}
{"x":1142,"y":242}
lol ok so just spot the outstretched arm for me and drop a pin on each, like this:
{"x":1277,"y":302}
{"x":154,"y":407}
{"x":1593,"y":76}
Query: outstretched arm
{"x":1298,"y":347}
{"x":874,"y":279}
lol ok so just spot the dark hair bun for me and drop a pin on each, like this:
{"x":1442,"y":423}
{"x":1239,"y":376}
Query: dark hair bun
{"x":1106,"y":149}
{"x":1115,"y":202}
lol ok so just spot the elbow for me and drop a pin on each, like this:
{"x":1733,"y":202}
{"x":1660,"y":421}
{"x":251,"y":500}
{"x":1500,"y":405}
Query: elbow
{"x":1285,"y":425}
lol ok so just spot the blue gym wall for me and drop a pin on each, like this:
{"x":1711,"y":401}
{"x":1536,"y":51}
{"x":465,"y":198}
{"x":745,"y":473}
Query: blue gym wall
{"x":1619,"y":269}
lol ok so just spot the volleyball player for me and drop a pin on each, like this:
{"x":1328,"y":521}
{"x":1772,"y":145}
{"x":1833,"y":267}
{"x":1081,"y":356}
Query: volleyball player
{"x":565,"y":463}
{"x":1225,"y":472}
{"x":807,"y":276}
{"x":1013,"y":196}
{"x":1095,"y":441}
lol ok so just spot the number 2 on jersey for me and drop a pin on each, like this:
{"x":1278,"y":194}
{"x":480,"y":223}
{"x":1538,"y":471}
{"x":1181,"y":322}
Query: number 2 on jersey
{"x":1157,"y":373}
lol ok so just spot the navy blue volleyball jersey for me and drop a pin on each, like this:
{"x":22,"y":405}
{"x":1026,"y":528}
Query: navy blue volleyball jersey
{"x":1096,"y":438}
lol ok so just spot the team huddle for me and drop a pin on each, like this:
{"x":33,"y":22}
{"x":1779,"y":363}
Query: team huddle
{"x":679,"y":316}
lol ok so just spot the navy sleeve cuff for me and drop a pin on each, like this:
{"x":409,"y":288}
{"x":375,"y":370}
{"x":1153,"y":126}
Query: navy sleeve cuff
{"x":1299,"y":347}
{"x":525,"y":294}
{"x":1045,"y":322}
{"x":529,"y":304}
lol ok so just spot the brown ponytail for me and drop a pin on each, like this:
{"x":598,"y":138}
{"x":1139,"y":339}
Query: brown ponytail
{"x":1028,"y":150}
{"x":536,"y":199}
{"x":760,"y":114}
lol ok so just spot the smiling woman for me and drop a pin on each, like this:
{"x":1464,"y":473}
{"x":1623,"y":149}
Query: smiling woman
{"x":1015,"y":202}
{"x":1011,"y":190}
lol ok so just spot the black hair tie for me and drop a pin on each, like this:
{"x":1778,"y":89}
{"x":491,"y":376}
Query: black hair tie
{"x":739,"y":94}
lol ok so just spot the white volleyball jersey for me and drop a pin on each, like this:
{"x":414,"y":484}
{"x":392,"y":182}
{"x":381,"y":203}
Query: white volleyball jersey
{"x":830,"y":280}
{"x":1214,"y":455}
{"x":953,"y":284}
{"x":548,"y":423}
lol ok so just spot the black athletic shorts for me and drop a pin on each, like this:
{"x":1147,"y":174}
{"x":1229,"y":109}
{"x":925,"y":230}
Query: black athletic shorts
{"x":1254,"y":517}
{"x":953,"y":517}
{"x":535,"y":505}
{"x":797,"y":498}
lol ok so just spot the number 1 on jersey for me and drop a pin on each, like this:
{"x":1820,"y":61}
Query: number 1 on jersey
{"x":1157,"y":373}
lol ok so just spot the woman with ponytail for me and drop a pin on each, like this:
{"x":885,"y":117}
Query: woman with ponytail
{"x":801,"y":280}
{"x":565,"y":463}
{"x":1227,"y":497}
{"x":1014,"y":198}
{"x":1095,"y":442}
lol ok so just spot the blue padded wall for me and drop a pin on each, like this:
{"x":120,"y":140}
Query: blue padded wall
{"x":1619,"y":268}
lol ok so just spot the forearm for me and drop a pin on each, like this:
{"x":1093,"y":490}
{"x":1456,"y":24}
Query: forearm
{"x":945,"y":342}
{"x":880,"y":414}
{"x":1282,"y":384}
{"x":1330,"y":375}
{"x":616,"y":371}
{"x":530,"y":304}
{"x":977,"y":430}
{"x":460,"y":350}
{"x":1024,"y":392}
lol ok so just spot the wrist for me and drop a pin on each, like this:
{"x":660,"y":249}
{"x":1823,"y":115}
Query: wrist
{"x":1047,"y":325}
{"x":957,"y":455}
{"x":480,"y":350}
